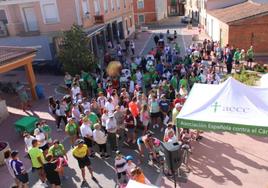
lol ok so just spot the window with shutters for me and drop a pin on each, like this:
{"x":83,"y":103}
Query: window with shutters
{"x":49,"y":11}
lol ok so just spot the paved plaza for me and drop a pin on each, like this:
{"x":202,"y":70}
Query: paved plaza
{"x":218,"y":160}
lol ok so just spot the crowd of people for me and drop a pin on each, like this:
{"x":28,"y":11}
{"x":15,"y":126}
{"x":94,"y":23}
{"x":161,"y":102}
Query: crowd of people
{"x":144,"y":98}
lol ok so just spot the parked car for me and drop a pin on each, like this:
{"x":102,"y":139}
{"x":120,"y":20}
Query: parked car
{"x":186,"y":20}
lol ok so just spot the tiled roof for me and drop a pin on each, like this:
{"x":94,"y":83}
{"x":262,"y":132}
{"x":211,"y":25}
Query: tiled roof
{"x":239,"y":11}
{"x":9,"y":54}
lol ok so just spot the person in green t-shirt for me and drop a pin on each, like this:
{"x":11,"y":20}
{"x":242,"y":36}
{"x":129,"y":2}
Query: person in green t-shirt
{"x":250,"y":57}
{"x":155,"y":76}
{"x":93,"y":118}
{"x":71,"y":130}
{"x":174,"y":82}
{"x":84,"y":75}
{"x":46,"y":129}
{"x":184,"y":83}
{"x":37,"y":159}
{"x":58,"y":152}
{"x":146,"y":79}
{"x":237,"y":58}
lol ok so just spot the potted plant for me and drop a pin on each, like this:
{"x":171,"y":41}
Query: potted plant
{"x":4,"y":146}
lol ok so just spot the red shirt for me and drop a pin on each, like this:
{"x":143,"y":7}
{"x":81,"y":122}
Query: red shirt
{"x":134,"y":109}
{"x":179,"y":100}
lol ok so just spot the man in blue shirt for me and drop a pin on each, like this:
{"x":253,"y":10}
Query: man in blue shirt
{"x":164,"y":108}
{"x":19,"y":170}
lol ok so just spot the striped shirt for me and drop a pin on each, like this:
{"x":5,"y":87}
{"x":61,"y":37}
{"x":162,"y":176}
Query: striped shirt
{"x":17,"y":167}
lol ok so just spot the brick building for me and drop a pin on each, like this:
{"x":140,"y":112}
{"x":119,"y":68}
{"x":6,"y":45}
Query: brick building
{"x":39,"y":23}
{"x":241,"y":26}
{"x":176,"y":7}
{"x":146,"y":11}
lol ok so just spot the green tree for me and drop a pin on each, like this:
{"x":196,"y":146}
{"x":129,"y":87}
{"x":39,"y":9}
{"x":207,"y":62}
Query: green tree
{"x":74,"y":53}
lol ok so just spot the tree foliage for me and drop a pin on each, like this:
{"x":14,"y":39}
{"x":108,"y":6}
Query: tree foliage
{"x":75,"y":54}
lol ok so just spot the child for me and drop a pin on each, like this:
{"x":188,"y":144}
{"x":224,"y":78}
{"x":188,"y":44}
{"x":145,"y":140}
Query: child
{"x":169,"y":128}
{"x":145,"y":118}
{"x":139,"y":176}
{"x":119,"y":164}
{"x":157,"y":149}
{"x":129,"y":165}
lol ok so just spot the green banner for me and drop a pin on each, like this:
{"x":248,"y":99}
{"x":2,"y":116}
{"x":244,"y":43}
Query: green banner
{"x":228,"y":127}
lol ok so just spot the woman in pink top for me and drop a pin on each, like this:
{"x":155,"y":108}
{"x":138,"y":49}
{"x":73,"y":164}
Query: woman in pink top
{"x":145,"y":118}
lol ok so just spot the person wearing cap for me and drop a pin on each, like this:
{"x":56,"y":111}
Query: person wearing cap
{"x":19,"y":169}
{"x":81,"y":153}
{"x":87,"y":134}
{"x":129,"y":165}
{"x":100,"y":138}
{"x":7,"y":156}
{"x":51,"y":171}
{"x":111,"y":128}
{"x":37,"y":159}
{"x":71,"y":130}
{"x":120,"y":163}
{"x":175,"y":112}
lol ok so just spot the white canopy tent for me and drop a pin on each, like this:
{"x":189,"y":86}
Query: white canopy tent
{"x":229,"y":106}
{"x":134,"y":184}
{"x":264,"y":81}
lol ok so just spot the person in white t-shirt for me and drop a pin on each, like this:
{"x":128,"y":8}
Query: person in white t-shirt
{"x":109,"y":105}
{"x":129,"y":165}
{"x":85,"y":104}
{"x":28,"y":141}
{"x":41,"y":138}
{"x":119,"y":164}
{"x":111,"y":127}
{"x":100,"y":138}
{"x":172,"y":137}
{"x":87,"y":134}
{"x":75,"y":90}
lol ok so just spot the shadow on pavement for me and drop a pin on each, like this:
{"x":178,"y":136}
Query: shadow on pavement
{"x":207,"y":156}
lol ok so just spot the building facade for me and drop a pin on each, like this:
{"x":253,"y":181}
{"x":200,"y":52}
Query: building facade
{"x":240,"y":29}
{"x":197,"y":9}
{"x":146,"y":11}
{"x":44,"y":21}
{"x":176,"y":7}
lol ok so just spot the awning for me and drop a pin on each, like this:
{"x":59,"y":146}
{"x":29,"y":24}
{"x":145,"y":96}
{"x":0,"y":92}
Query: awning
{"x":230,"y":106}
{"x":95,"y":29}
